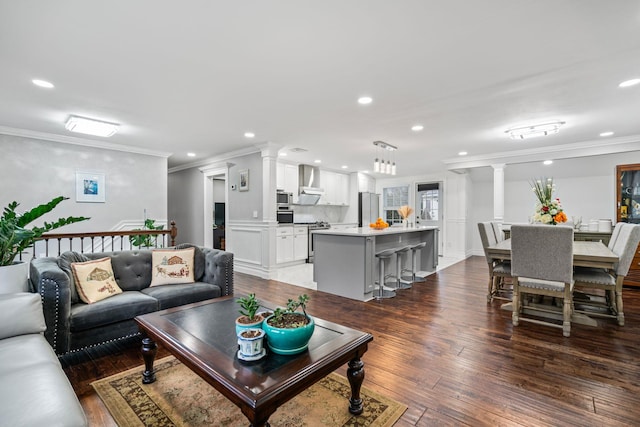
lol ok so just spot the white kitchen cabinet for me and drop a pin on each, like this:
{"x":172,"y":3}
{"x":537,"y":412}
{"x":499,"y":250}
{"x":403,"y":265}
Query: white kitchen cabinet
{"x":292,"y":243}
{"x":300,"y":243}
{"x":284,"y":244}
{"x":287,"y":179}
{"x":336,"y":188}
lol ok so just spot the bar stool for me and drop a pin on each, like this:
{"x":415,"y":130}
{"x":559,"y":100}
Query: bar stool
{"x":383,"y":258}
{"x":402,"y":283}
{"x":417,"y":276}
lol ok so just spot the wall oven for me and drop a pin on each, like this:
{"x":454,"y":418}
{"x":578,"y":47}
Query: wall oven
{"x":284,"y":216}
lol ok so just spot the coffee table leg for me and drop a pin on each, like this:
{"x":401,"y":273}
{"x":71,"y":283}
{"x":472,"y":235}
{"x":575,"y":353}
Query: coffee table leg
{"x":355,"y":374}
{"x":149,"y":349}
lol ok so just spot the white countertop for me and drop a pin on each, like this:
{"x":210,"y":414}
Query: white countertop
{"x":368,"y":231}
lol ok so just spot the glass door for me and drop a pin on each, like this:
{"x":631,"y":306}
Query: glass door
{"x":429,"y":208}
{"x":628,"y":193}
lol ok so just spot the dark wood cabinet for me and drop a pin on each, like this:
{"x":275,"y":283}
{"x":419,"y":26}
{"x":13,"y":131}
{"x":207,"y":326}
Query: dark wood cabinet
{"x":628,"y":210}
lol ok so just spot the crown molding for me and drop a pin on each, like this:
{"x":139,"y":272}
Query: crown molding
{"x":212,"y":161}
{"x":556,"y":152}
{"x":65,"y":139}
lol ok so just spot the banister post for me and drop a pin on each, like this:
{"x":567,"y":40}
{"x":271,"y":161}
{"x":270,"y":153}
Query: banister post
{"x":174,"y":233}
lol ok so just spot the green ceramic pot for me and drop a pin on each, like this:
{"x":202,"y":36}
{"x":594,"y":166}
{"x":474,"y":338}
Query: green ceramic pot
{"x":288,"y":340}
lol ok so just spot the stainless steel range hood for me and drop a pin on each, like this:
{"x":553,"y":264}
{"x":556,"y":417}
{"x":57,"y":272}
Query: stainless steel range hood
{"x":309,"y":180}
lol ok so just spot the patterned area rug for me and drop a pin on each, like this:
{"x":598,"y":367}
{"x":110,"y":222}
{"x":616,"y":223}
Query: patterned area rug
{"x":181,"y":398}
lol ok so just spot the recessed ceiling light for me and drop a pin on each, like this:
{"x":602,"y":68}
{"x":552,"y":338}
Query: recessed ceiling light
{"x":344,"y":166}
{"x":417,"y":128}
{"x":462,"y":153}
{"x":91,"y":126}
{"x":317,"y":161}
{"x":283,"y":154}
{"x":628,"y":83}
{"x":606,"y":134}
{"x":191,"y":154}
{"x":547,"y":162}
{"x":249,"y":134}
{"x":42,"y":83}
{"x":365,"y":171}
{"x":364,"y":100}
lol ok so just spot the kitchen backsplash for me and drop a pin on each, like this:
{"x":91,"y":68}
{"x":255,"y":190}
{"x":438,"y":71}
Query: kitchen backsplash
{"x":331,"y":214}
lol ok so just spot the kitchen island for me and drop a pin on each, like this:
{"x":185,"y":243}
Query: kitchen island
{"x":345,"y":263}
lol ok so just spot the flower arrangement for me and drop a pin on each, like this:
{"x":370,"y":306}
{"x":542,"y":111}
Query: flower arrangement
{"x":548,"y":209}
{"x":405,"y":211}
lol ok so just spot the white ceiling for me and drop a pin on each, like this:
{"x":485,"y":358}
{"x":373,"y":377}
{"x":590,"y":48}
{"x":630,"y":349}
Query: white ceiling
{"x":195,"y":75}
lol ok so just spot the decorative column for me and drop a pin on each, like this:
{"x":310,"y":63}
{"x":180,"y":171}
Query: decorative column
{"x":498,"y":192}
{"x":269,"y":153}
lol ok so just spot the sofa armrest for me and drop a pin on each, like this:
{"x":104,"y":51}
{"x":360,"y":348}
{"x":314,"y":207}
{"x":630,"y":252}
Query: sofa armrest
{"x":20,"y":314}
{"x":218,"y":269}
{"x":53,"y":285}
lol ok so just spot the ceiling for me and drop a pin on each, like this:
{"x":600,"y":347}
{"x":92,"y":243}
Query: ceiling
{"x":194,"y":76}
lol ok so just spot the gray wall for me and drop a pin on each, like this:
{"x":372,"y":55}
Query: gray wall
{"x":186,"y":204}
{"x":242,"y":204}
{"x":34,"y":171}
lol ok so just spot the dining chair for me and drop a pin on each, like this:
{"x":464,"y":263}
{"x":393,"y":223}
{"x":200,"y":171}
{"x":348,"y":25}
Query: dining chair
{"x":624,"y":243}
{"x":497,"y":231}
{"x":498,"y":269}
{"x":542,"y":264}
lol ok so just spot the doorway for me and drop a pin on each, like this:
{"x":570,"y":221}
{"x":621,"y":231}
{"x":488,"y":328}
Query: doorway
{"x":429,"y":206}
{"x":216,"y":206}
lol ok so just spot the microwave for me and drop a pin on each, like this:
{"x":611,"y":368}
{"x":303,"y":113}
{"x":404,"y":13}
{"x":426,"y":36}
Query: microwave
{"x":284,"y":217}
{"x":284,"y":199}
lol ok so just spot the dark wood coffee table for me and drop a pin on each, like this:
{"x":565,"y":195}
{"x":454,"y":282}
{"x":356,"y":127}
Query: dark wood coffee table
{"x":202,"y":336}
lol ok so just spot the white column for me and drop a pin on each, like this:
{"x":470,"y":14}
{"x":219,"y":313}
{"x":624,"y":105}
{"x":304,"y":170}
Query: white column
{"x":269,"y":153}
{"x":498,"y":192}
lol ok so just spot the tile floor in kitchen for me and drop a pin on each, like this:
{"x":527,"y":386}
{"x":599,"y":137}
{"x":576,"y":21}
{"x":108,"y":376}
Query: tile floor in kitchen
{"x":302,"y":275}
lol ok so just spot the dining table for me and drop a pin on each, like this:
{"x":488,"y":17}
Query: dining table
{"x":585,"y":254}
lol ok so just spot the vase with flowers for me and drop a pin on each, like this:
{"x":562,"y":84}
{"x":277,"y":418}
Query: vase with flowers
{"x":404,"y":212}
{"x":548,"y":209}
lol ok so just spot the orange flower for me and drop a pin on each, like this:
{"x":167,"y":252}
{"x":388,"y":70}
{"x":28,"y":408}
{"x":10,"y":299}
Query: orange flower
{"x":560,"y":217}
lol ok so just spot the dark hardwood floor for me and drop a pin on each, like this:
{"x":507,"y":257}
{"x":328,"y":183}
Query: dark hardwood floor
{"x":454,"y":359}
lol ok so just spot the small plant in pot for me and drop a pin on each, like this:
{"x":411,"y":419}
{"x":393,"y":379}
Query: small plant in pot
{"x":289,"y":331}
{"x":249,"y":318}
{"x":250,"y":341}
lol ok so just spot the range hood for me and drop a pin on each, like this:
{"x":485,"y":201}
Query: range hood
{"x":309,"y":179}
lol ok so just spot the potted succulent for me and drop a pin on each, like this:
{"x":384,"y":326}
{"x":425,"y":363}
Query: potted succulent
{"x":250,"y":341}
{"x":249,"y":319}
{"x":288,"y":331}
{"x":15,"y":238}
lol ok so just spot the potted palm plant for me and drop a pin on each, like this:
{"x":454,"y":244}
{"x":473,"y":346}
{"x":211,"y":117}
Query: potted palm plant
{"x":289,"y":331}
{"x":15,"y":238}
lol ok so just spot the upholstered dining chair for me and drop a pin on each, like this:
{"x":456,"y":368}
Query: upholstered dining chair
{"x":498,"y":269}
{"x":624,"y":243}
{"x":542,"y":264}
{"x":497,"y":230}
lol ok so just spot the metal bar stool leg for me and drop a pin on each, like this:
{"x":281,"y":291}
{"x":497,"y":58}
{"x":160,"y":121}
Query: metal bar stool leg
{"x":383,"y":257}
{"x":401,"y":282}
{"x":418,"y":276}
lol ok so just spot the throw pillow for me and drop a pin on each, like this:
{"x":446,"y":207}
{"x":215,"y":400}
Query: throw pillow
{"x":95,"y":280}
{"x":171,"y":266}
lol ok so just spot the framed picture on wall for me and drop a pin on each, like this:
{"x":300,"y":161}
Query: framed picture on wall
{"x":90,"y":187}
{"x":244,"y":180}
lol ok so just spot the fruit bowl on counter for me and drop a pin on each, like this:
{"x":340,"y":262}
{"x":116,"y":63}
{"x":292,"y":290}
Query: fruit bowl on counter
{"x":380,"y":224}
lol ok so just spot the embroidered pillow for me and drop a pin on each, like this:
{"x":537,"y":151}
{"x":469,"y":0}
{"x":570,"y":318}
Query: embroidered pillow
{"x":171,"y":266}
{"x":95,"y":280}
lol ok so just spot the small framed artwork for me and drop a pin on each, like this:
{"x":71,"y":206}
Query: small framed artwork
{"x":244,"y":180}
{"x":90,"y":187}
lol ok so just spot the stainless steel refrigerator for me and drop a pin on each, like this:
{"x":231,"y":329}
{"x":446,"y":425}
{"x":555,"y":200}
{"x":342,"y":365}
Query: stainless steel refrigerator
{"x":368,"y":208}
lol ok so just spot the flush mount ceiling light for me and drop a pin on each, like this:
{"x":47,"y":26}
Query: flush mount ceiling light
{"x":379,"y":164}
{"x":91,"y":126}
{"x":534,"y":131}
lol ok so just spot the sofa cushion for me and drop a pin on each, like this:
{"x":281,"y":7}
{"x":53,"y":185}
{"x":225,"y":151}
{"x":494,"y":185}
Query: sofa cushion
{"x":172,"y":266}
{"x":34,"y":389}
{"x":131,"y":268}
{"x":124,"y":306}
{"x":64,"y":262}
{"x":95,"y":280}
{"x":175,"y":295}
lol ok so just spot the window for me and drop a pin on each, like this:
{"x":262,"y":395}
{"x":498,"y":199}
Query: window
{"x":393,"y":199}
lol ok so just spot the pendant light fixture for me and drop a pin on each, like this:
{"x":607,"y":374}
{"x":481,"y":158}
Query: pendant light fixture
{"x":380,"y":165}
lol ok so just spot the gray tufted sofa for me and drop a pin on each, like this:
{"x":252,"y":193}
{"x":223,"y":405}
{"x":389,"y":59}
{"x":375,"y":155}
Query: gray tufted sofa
{"x":34,"y":391}
{"x":73,"y":325}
